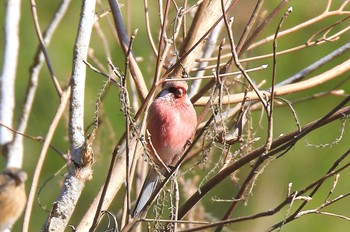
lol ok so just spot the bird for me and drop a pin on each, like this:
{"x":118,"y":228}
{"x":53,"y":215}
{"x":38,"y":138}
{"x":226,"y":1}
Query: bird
{"x":171,"y":123}
{"x":12,"y":196}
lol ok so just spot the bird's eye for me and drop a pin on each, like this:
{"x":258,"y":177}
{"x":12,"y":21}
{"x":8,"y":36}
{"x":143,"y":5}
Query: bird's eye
{"x":178,"y":92}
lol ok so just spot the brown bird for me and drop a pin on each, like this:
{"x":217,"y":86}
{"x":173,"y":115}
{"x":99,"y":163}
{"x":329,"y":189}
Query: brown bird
{"x":12,"y":196}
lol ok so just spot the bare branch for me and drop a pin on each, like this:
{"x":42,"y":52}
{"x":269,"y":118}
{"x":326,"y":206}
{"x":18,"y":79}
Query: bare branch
{"x":28,"y":212}
{"x":16,"y":147}
{"x":262,"y":26}
{"x":148,"y":28}
{"x":287,"y":89}
{"x":80,"y":167}
{"x":124,"y":41}
{"x":276,"y":146}
{"x":300,"y":26}
{"x":43,"y":48}
{"x":300,"y":75}
{"x":8,"y":74}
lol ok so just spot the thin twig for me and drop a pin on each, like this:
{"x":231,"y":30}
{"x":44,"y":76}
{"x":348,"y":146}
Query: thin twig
{"x":124,"y":42}
{"x":263,"y":26}
{"x":237,"y":73}
{"x":148,"y":28}
{"x":287,"y":89}
{"x":278,"y":145}
{"x":103,"y":38}
{"x":289,"y":199}
{"x":161,"y":55}
{"x":269,"y":110}
{"x":327,"y":13}
{"x":249,"y":25}
{"x":308,"y":44}
{"x":207,"y":52}
{"x":235,"y":57}
{"x":43,"y":48}
{"x":36,"y":138}
{"x":190,"y":47}
{"x":315,"y":187}
{"x":272,"y":96}
{"x":103,"y":192}
{"x":125,"y":109}
{"x":326,"y":59}
{"x":28,"y":212}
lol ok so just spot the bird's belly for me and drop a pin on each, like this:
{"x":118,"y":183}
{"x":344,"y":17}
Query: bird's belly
{"x":170,"y":142}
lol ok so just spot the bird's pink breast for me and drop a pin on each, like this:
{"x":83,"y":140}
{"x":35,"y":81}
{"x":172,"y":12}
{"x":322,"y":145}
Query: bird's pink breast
{"x":171,"y":125}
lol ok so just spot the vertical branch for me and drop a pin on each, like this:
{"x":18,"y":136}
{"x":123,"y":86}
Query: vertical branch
{"x":16,"y":146}
{"x":228,"y":25}
{"x":174,"y":202}
{"x":161,"y":55}
{"x":124,"y":42}
{"x":207,"y":17}
{"x":8,"y":75}
{"x":273,"y":82}
{"x":76,"y":124}
{"x":115,"y":179}
{"x":269,"y":110}
{"x":249,"y":25}
{"x":42,"y":156}
{"x":126,"y":106}
{"x":262,"y":26}
{"x":117,"y":173}
{"x":79,"y":170}
{"x":43,"y":48}
{"x":148,"y":28}
{"x":207,"y":52}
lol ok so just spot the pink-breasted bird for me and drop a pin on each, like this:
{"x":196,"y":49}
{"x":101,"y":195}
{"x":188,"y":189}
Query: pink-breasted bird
{"x":12,"y":196}
{"x":171,"y":122}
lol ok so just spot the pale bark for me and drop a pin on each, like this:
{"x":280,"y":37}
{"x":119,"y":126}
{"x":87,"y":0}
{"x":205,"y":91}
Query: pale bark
{"x":78,"y":174}
{"x":8,"y":76}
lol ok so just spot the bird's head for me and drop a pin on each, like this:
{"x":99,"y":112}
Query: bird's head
{"x":18,"y":175}
{"x":178,"y":88}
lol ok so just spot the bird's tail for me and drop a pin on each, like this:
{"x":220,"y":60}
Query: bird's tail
{"x":150,"y":184}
